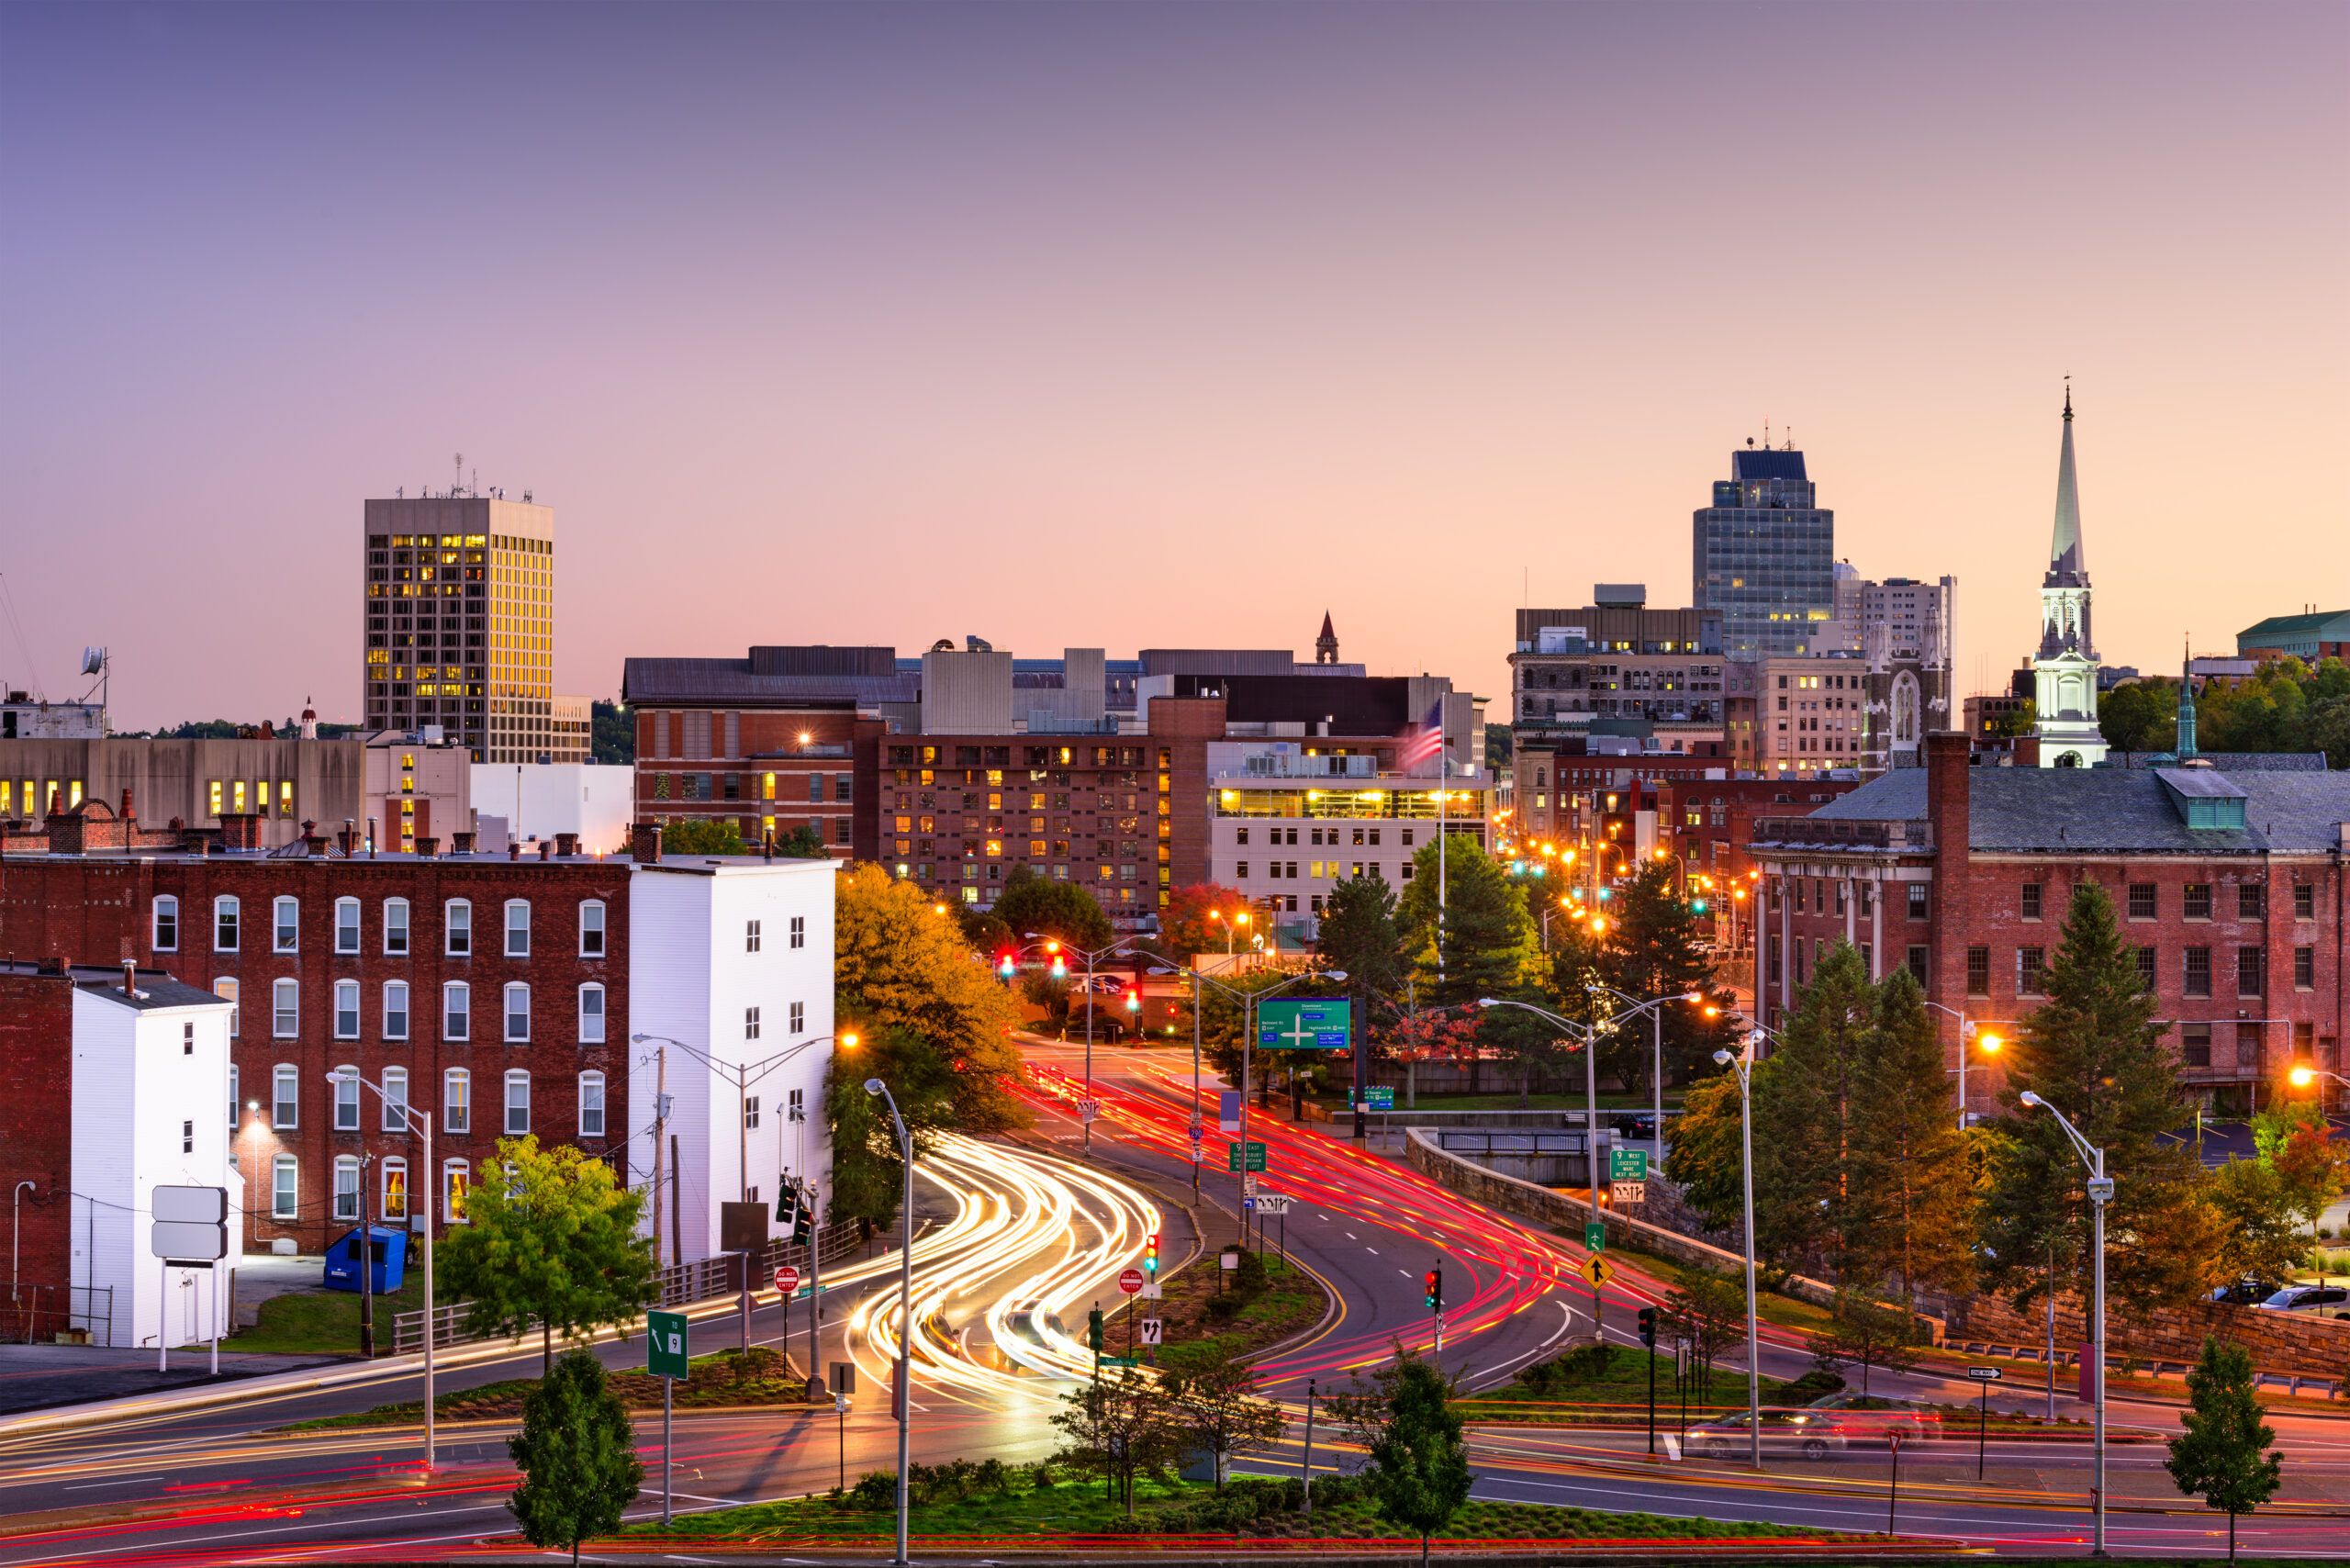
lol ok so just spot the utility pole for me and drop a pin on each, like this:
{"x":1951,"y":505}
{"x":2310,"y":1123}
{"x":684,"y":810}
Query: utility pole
{"x":660,"y":1126}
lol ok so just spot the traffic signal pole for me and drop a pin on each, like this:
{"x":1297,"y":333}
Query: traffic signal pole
{"x":1648,"y":1338}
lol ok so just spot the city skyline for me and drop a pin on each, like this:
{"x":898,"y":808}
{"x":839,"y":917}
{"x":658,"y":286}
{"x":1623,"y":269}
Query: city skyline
{"x":1375,"y":312}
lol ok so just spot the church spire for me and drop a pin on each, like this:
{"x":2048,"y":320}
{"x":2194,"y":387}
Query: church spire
{"x":2186,"y":743}
{"x":2067,"y":562}
{"x":1326,"y":647}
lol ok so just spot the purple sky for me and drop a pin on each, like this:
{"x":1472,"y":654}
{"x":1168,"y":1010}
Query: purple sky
{"x":1113,"y":325}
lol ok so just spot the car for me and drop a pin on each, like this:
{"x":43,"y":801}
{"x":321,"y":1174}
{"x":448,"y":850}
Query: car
{"x":2246,"y":1292}
{"x":1814,"y":1434}
{"x":1872,"y":1415}
{"x":1639,"y":1123}
{"x":2307,"y":1298}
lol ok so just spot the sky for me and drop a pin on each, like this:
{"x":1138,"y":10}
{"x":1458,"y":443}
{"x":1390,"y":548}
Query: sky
{"x":1126,"y":325}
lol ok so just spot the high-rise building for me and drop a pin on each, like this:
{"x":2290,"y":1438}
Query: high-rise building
{"x":2065,"y":669}
{"x":1618,"y":667}
{"x":460,"y":606}
{"x":1763,"y":554}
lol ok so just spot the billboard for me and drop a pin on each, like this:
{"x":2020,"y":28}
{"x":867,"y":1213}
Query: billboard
{"x":1303,"y":1024}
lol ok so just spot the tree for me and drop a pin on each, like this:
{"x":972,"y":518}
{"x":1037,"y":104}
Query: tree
{"x":576,"y":1452}
{"x":2221,"y":1453}
{"x":550,"y":1239}
{"x":2140,"y":716}
{"x":800,"y":843}
{"x":2094,"y":1051}
{"x":1807,"y":1097}
{"x":1914,"y":1194}
{"x":899,"y":964}
{"x":1186,"y":929}
{"x":2297,"y":1142}
{"x":1117,"y":1428}
{"x":612,"y":733}
{"x":2260,"y":1234}
{"x":1216,"y":1411}
{"x":1489,"y":947}
{"x":1359,"y":936}
{"x":1707,"y":1161}
{"x":1419,"y":1471}
{"x":703,"y":836}
{"x":1708,"y":1310}
{"x":868,"y":1169}
{"x":1865,"y":1333}
{"x":1049,"y":907}
{"x":2016,"y":722}
{"x":1655,"y":946}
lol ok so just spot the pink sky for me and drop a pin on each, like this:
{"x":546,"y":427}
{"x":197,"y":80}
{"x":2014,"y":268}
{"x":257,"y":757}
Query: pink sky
{"x":1114,"y":326}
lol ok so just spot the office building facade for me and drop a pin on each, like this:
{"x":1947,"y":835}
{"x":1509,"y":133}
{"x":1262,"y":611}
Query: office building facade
{"x":1763,"y":554}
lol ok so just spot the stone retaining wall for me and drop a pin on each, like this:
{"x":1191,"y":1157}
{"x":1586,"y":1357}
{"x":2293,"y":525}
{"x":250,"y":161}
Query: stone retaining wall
{"x":2296,"y":1344}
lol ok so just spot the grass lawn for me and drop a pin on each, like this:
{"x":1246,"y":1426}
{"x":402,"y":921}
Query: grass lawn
{"x":1507,"y":1100}
{"x":1196,"y":1329}
{"x":724,"y":1380}
{"x":324,"y":1322}
{"x":1577,"y":1392}
{"x":1009,"y":1506}
{"x":1784,"y":1311}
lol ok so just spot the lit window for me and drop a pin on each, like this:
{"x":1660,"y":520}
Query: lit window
{"x":393,"y":1205}
{"x":457,"y":1183}
{"x":457,"y":1101}
{"x":226,"y":989}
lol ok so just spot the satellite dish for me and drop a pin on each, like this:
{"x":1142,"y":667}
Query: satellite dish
{"x":94,"y":661}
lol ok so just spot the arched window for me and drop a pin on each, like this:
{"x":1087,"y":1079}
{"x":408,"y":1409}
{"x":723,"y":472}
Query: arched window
{"x":165,"y":937}
{"x":284,"y":1188}
{"x":396,"y":1010}
{"x":393,"y":1202}
{"x":591,"y":1105}
{"x":395,"y":1100}
{"x":346,"y":1187}
{"x":457,"y":1181}
{"x":457,"y":928}
{"x":284,"y":1096}
{"x":346,"y":1099}
{"x":457,"y":1012}
{"x":518,"y":1013}
{"x":457,"y":1101}
{"x":395,"y":927}
{"x":285,"y":1008}
{"x":346,"y":925}
{"x":591,"y":929}
{"x":285,"y":925}
{"x":591,"y":1015}
{"x":346,"y":1010}
{"x":224,"y":924}
{"x":517,"y":1102}
{"x":518,"y":928}
{"x":225,"y":988}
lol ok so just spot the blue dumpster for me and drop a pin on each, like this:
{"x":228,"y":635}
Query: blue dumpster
{"x":389,"y":1250}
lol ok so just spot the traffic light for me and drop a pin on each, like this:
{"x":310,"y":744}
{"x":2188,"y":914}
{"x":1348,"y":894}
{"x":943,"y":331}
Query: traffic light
{"x":1435,"y":1283}
{"x":1150,"y":1254}
{"x":787,"y":1204}
{"x":1004,"y":965}
{"x":1698,"y":907}
{"x":803,"y":1222}
{"x":1648,"y":1327}
{"x":1060,"y":970}
{"x":1134,"y":999}
{"x":1093,"y":1329}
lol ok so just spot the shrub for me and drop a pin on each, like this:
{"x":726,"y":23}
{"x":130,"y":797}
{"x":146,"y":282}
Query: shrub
{"x":1814,"y":1383}
{"x":1538,"y":1377}
{"x":875,"y":1489}
{"x":1588,"y":1363}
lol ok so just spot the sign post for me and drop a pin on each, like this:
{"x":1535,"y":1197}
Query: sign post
{"x":786,"y":1281}
{"x":667,"y":1358}
{"x":190,"y":1231}
{"x":1986,"y":1376}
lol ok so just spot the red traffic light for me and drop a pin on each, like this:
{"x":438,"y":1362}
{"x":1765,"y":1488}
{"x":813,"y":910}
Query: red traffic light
{"x":1134,"y":1000}
{"x":1004,"y":965}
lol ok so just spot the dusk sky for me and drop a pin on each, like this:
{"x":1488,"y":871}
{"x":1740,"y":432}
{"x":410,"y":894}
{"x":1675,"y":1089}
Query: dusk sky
{"x":1119,"y":325}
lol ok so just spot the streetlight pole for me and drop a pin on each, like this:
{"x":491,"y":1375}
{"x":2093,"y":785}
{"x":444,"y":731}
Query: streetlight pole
{"x":905,"y":1309}
{"x":2100,"y":1189}
{"x":1743,"y":1065}
{"x":420,"y":1124}
{"x":1988,"y":1043}
{"x":1654,"y":1007}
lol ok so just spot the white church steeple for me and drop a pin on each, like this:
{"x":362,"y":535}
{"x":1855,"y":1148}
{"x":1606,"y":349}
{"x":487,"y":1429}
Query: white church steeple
{"x":2065,"y":688}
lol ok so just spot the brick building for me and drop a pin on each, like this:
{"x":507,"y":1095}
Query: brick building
{"x":492,"y":991}
{"x":2228,"y":878}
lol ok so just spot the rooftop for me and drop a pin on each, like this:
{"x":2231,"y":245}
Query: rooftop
{"x":156,"y":988}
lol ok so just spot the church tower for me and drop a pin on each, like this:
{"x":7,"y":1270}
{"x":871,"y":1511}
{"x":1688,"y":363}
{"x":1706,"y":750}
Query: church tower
{"x":2065,"y":669}
{"x":1326,"y":647}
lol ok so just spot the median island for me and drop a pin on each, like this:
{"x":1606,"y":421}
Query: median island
{"x":730,"y":1380}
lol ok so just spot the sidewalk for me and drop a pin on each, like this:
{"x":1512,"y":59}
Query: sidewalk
{"x":43,"y":1377}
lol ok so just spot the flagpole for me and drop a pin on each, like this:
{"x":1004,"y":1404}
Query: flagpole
{"x":1443,"y":776}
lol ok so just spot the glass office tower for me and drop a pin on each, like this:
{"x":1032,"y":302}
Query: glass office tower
{"x":1763,"y":554}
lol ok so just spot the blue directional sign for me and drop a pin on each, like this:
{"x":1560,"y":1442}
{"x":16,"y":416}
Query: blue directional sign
{"x":1302,"y":1024}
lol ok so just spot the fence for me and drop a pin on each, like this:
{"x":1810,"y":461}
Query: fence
{"x":41,"y":1314}
{"x":677,"y":1284}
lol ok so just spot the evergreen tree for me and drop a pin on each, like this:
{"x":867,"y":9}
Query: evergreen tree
{"x":576,"y":1452}
{"x":1654,"y":947}
{"x":2094,"y":1051}
{"x":2221,"y":1453}
{"x":1806,"y":1094}
{"x":1489,"y":946}
{"x":1911,"y":1181}
{"x":1360,"y":938}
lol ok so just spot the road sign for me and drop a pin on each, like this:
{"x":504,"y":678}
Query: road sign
{"x":1983,"y":1374}
{"x":787,"y":1280}
{"x":1256,"y":1154}
{"x":1227,"y":1110}
{"x":1275,"y":1203}
{"x":1130,"y":1280}
{"x":844,"y":1377}
{"x":1229,"y":1258}
{"x":1627,"y":1164}
{"x":1628,"y":1191}
{"x":1153,"y":1290}
{"x":1089,"y":1110}
{"x":1303,"y":1024}
{"x":1594,"y":1234}
{"x":1196,"y":1131}
{"x":1597,"y":1270}
{"x":190,"y":1225}
{"x":1382,"y":1098}
{"x":1122,"y":1361}
{"x":1152,"y":1329}
{"x":665,"y":1345}
{"x":1199,"y":1155}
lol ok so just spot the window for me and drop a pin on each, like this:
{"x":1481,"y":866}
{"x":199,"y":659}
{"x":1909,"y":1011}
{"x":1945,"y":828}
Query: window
{"x":517,"y":1103}
{"x":226,"y":988}
{"x":518,"y":1013}
{"x":751,"y":1113}
{"x":285,"y":1097}
{"x":750,"y":1023}
{"x":395,"y":1119}
{"x":346,"y":1187}
{"x":2142,"y":901}
{"x":2031,"y":894}
{"x":750,"y":937}
{"x":457,"y":939}
{"x":187,"y":1137}
{"x":285,"y":1008}
{"x":346,"y":925}
{"x":2028,"y":963}
{"x":796,"y":1108}
{"x":1978,"y":970}
{"x":396,"y":1010}
{"x":2252,"y":971}
{"x":591,"y":1015}
{"x":457,"y":1101}
{"x":224,"y":925}
{"x":187,"y":1040}
{"x":591,"y":1105}
{"x":591,"y":929}
{"x":2251,"y":901}
{"x":285,"y":925}
{"x":1917,"y":900}
{"x":518,"y":928}
{"x":456,"y":1180}
{"x":346,"y":1099}
{"x":2198,"y":971}
{"x":799,"y":1017}
{"x":2304,"y":968}
{"x":2146,"y":971}
{"x":284,"y":1188}
{"x":457,"y":1012}
{"x":233,"y":1105}
{"x":346,"y":1010}
{"x":2304,"y":901}
{"x":2305,"y":1039}
{"x":2195,"y":1044}
{"x":1916,"y":961}
{"x":2199,"y":901}
{"x":800,"y":930}
{"x":395,"y":927}
{"x":165,"y":937}
{"x":393,"y":1203}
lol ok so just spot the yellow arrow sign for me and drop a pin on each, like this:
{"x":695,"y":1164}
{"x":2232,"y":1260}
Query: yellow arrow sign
{"x":1597,"y":1270}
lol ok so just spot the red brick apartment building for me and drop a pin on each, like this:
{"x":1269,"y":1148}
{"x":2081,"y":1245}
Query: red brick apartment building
{"x":488,"y":992}
{"x":2229,"y":879}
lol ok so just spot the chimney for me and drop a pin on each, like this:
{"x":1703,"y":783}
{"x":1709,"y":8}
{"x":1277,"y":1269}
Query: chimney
{"x":566,"y":845}
{"x":644,"y":843}
{"x":131,"y":978}
{"x":513,"y":849}
{"x":461,"y":844}
{"x":314,"y":844}
{"x":241,"y":830}
{"x":546,"y":849}
{"x":129,"y":815}
{"x":427,"y":847}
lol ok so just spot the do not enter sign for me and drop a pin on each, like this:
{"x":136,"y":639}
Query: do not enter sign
{"x":787,"y":1280}
{"x":1131,"y":1281}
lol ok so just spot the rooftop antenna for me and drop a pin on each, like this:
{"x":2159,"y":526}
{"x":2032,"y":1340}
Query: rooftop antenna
{"x":1767,"y":435}
{"x":460,"y":476}
{"x":1789,"y":434}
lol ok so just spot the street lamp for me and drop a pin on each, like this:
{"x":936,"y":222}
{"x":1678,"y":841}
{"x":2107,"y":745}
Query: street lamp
{"x":2301,"y":1077}
{"x":2100,"y":1189}
{"x":1654,"y":1008}
{"x":420,"y":1124}
{"x":905,"y":1307}
{"x":1743,"y":1065}
{"x":1988,"y":1043}
{"x":1086,"y":1123}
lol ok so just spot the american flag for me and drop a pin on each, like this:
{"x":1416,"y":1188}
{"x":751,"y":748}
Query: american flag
{"x":1422,"y":741}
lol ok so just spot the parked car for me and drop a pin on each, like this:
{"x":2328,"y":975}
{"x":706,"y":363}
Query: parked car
{"x":1636,"y":1123}
{"x":1865,"y":1416}
{"x":2307,"y":1298}
{"x":1814,"y":1434}
{"x":2246,"y":1292}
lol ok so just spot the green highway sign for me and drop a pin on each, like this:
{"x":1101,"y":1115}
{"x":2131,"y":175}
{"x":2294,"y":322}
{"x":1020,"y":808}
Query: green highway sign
{"x":1627,"y":1164}
{"x":1379,"y":1098}
{"x":1122,"y":1361}
{"x":1594,"y":1234}
{"x":1256,"y":1156}
{"x":1303,"y":1024}
{"x":665,"y":1345}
